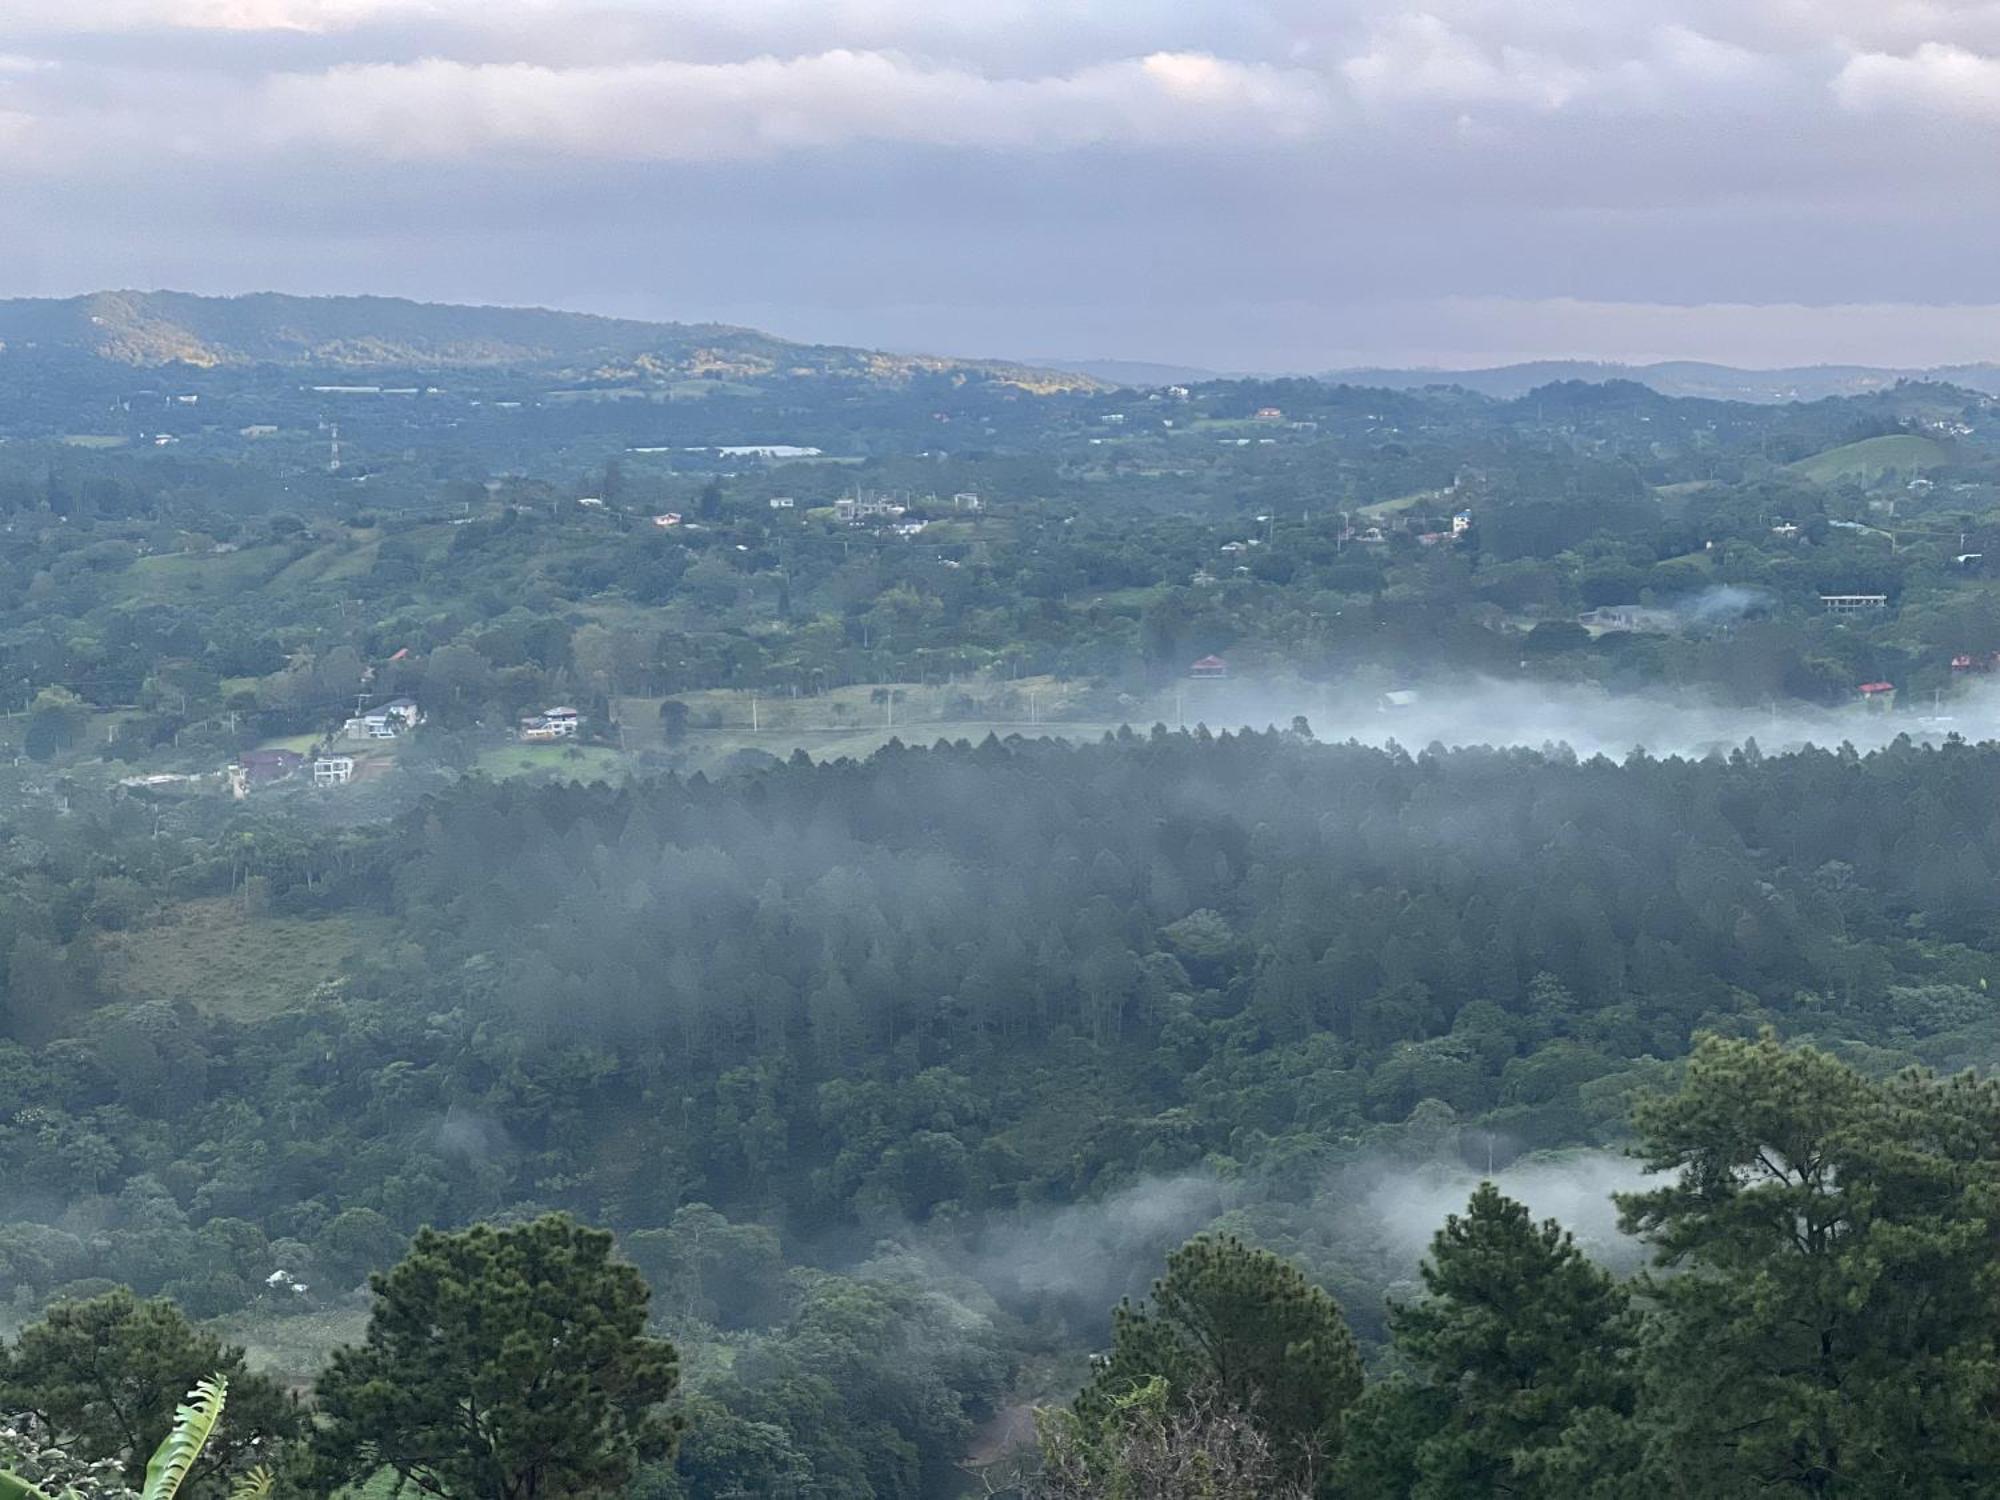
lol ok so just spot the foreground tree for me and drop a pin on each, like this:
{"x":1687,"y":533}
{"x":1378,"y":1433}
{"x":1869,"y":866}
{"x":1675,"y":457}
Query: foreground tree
{"x":31,"y":1471}
{"x":1523,"y":1353}
{"x":502,"y":1364}
{"x":1833,"y":1331}
{"x":105,"y":1376}
{"x":1244,"y":1331}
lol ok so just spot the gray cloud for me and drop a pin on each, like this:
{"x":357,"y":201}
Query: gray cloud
{"x":1280,"y":183}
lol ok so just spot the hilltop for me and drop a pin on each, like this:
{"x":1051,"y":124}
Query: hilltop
{"x":155,"y":329}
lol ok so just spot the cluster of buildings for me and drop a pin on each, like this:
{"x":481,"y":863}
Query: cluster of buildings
{"x":330,"y":764}
{"x":857,"y":508}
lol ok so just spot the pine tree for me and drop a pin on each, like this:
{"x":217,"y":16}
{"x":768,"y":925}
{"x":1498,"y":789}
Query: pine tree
{"x":502,"y":1364}
{"x":1523,"y":1355}
{"x":1832,"y":1328}
{"x":1244,"y":1330}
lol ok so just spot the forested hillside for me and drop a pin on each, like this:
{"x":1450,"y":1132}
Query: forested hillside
{"x":888,"y":1018}
{"x":915,"y":856}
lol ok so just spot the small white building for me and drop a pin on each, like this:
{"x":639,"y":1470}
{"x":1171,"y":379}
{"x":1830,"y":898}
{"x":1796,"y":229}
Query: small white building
{"x":333,"y":770}
{"x":783,"y":502}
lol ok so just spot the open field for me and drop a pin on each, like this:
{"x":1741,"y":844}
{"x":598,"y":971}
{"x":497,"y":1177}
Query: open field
{"x":858,"y":744}
{"x":920,"y":711}
{"x":1383,"y":508}
{"x":218,"y":958}
{"x":567,"y":762}
{"x":292,"y":1347}
{"x":1872,"y":456}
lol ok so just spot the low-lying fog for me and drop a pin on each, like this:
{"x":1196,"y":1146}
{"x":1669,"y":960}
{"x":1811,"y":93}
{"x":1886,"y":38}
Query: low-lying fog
{"x":1371,"y":1222}
{"x":1587,"y":718}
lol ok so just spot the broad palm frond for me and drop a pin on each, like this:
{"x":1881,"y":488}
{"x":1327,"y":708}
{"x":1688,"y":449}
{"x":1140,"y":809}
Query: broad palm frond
{"x":194,"y":1421}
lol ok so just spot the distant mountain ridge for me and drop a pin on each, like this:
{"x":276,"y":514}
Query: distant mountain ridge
{"x":1694,"y":378}
{"x":153,"y":329}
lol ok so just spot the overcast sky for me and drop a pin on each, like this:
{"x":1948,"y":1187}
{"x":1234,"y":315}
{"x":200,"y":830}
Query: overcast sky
{"x":1243,"y":184}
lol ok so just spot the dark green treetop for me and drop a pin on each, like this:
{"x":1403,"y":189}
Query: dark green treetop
{"x":502,"y":1364}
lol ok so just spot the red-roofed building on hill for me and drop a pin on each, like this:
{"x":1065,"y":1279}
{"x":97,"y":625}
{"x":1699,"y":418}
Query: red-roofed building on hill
{"x":1878,"y":694}
{"x":1209,"y":666}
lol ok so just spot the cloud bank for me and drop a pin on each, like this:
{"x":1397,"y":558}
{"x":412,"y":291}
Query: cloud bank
{"x":1276,"y":183}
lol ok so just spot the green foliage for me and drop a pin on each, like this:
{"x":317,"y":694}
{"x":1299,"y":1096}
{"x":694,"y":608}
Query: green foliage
{"x":168,"y":1470}
{"x":194,"y":1424}
{"x":101,"y":1376}
{"x":1523,"y":1355}
{"x":1242,"y":1327}
{"x":1830,"y":1328}
{"x":502,"y":1364}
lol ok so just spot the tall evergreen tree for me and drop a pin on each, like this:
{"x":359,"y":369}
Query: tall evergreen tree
{"x":1523,"y":1352}
{"x":1833,"y":1328}
{"x":502,"y":1364}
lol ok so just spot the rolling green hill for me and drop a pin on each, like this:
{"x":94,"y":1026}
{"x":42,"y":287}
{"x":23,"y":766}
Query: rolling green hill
{"x":148,"y":329}
{"x":1900,"y":452}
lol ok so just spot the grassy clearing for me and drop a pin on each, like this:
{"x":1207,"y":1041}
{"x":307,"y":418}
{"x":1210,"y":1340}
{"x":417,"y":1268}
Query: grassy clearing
{"x":292,"y":1347}
{"x":1870,"y":457}
{"x":213,"y":955}
{"x":703,"y":748}
{"x":1383,"y":508}
{"x":193,"y":576}
{"x":564,"y":762}
{"x":921,"y":712}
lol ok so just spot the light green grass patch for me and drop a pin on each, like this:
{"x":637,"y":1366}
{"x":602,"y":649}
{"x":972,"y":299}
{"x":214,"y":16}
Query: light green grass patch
{"x":563,"y":762}
{"x":1898,"y":453}
{"x":1383,"y":508}
{"x":222,"y":960}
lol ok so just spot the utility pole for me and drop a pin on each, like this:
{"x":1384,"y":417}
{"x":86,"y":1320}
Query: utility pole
{"x":753,"y":711}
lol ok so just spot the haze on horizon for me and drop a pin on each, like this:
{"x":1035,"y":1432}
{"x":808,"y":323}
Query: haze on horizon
{"x":1272,"y":185}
